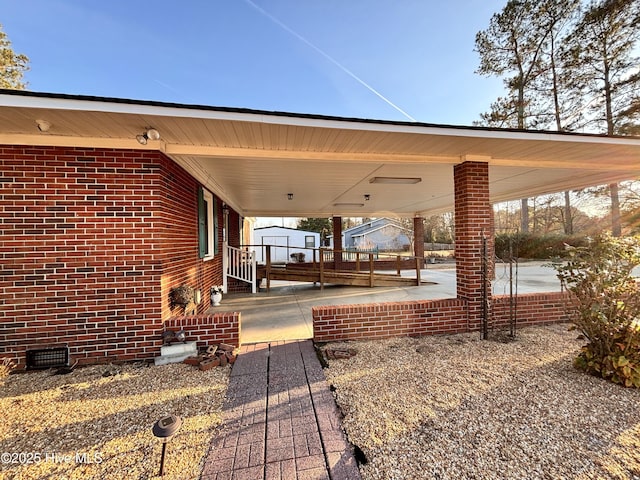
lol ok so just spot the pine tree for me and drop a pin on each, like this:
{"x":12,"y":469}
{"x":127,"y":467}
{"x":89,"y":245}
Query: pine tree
{"x":602,"y":46}
{"x":12,"y":65}
{"x":574,"y":70}
{"x":512,"y":47}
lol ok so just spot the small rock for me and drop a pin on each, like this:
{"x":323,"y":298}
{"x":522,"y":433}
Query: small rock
{"x":111,"y":372}
{"x":342,"y":353}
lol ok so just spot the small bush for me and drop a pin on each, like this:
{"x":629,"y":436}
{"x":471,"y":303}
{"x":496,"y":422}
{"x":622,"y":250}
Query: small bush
{"x":606,"y":300}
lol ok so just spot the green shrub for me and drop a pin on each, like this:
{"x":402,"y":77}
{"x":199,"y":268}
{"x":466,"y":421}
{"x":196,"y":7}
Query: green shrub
{"x":528,"y":245}
{"x":606,"y":300}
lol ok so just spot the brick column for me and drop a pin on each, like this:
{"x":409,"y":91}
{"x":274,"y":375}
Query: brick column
{"x":473,"y":221}
{"x":233,"y":235}
{"x":337,"y":241}
{"x":418,"y":238}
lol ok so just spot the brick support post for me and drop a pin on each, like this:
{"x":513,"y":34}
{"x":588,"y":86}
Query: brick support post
{"x":473,"y":222}
{"x":337,"y":241}
{"x":418,"y":238}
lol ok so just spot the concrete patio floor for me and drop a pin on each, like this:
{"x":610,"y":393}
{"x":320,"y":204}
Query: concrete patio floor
{"x":284,"y":313}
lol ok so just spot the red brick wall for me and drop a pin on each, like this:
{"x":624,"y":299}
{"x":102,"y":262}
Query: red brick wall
{"x":233,"y":235}
{"x":211,"y":329}
{"x":91,"y":242}
{"x":531,"y":309}
{"x":473,"y":221}
{"x":428,"y":317}
{"x":178,"y":234}
{"x":392,"y":319}
{"x":238,"y":286}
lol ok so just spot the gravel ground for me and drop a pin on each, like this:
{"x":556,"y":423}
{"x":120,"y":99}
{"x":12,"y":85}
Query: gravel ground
{"x":457,"y":407}
{"x":86,"y":426}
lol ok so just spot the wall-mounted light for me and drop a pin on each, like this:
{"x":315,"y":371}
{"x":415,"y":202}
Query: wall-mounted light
{"x":43,"y":125}
{"x":149,"y":134}
{"x":290,"y":196}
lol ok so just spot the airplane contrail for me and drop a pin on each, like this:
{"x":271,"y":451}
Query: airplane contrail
{"x":330,"y":58}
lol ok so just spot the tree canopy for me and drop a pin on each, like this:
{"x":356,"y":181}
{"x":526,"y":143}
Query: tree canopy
{"x":12,"y":65}
{"x":567,"y":65}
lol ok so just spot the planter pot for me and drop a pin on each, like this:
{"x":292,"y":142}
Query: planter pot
{"x":215,"y":299}
{"x":181,"y":296}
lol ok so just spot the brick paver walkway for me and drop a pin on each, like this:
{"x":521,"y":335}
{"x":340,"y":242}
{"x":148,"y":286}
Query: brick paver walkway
{"x":280,"y":420}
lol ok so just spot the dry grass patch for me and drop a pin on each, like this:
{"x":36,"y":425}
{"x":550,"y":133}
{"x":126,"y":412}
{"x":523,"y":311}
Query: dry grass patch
{"x":87,"y":426}
{"x":457,"y":407}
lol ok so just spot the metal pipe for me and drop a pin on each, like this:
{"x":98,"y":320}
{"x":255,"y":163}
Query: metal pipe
{"x":485,"y":300}
{"x":164,"y":449}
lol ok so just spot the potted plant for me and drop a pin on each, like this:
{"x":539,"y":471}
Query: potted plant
{"x":182,"y":296}
{"x":216,"y":295}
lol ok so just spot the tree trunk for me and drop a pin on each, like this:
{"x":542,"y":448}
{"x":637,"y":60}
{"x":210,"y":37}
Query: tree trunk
{"x":568,"y":217}
{"x":616,"y":225}
{"x":524,"y":215}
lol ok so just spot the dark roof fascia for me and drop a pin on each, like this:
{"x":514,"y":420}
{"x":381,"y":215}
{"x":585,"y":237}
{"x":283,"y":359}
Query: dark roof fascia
{"x":154,"y":103}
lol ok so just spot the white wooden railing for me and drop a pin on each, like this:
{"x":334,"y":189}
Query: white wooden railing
{"x":240,"y":264}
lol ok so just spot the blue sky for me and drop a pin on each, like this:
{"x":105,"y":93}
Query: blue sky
{"x":352,"y":58}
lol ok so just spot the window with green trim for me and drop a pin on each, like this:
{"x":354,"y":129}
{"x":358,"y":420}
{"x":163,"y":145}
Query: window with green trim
{"x":207,"y":224}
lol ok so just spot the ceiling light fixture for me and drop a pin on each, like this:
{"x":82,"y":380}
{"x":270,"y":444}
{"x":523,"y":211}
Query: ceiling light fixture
{"x":367,"y":197}
{"x":290,"y":196}
{"x":348,"y":205}
{"x":149,"y":134}
{"x":396,"y":180}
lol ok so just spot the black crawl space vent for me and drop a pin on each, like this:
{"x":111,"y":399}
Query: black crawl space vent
{"x":48,"y":358}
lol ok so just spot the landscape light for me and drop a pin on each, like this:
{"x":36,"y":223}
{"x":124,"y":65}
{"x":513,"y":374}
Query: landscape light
{"x":165,"y":429}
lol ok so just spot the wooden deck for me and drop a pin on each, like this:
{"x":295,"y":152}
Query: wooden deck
{"x":323,"y":270}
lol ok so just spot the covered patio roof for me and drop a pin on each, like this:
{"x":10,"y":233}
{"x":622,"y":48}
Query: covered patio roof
{"x":254,"y":159}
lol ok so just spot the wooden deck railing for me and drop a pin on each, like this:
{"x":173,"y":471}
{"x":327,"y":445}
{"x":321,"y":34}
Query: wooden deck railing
{"x":325,"y":259}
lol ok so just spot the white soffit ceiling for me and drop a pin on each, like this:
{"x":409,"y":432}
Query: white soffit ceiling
{"x":254,"y":159}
